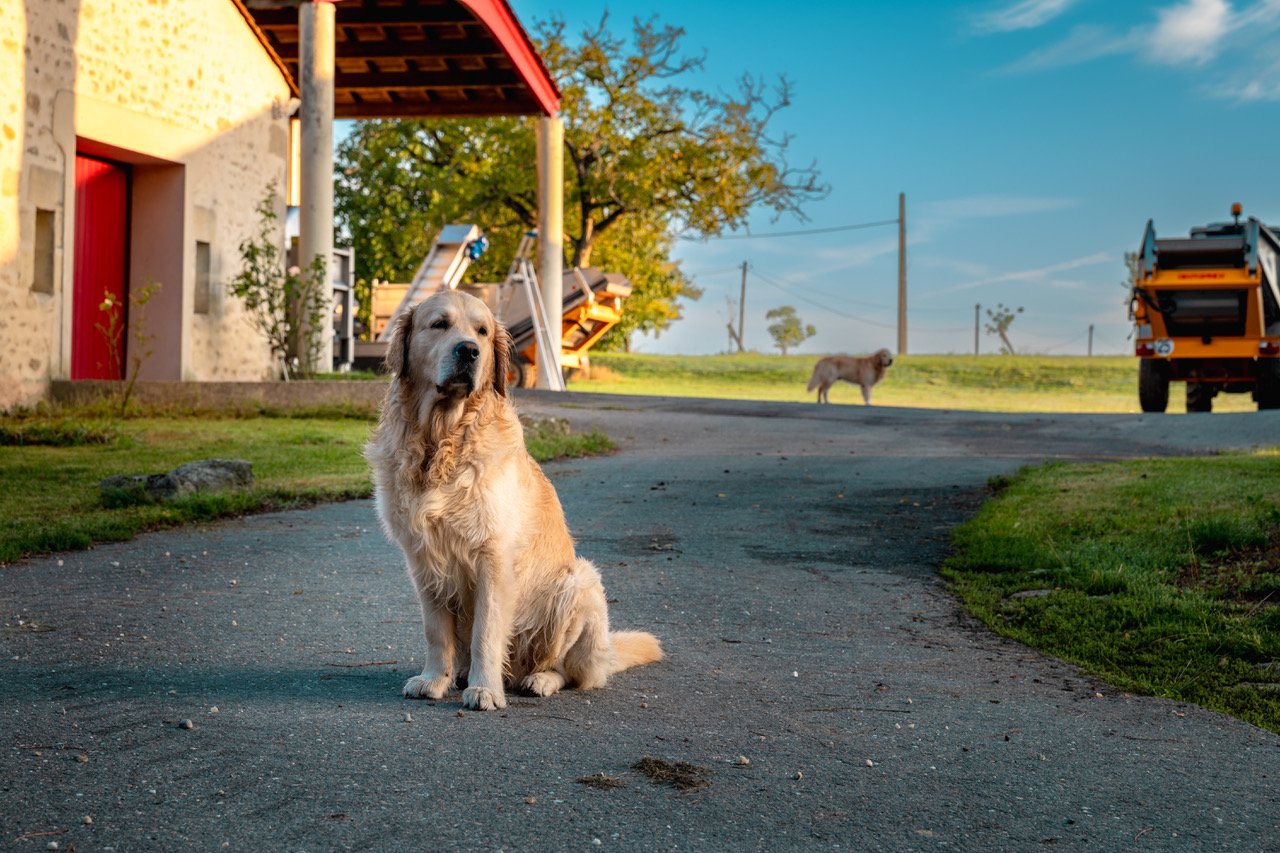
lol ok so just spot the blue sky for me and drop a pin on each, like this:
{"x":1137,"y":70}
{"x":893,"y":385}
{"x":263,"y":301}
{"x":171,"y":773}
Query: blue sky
{"x":1033,"y":140}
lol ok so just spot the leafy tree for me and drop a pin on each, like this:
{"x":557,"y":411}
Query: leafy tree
{"x":998,"y":323}
{"x":646,"y":157}
{"x":788,"y":331}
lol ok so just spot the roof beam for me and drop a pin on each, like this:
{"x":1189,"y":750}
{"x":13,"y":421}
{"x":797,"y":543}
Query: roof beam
{"x":406,"y":49}
{"x":350,"y":15}
{"x":439,"y":109}
{"x":373,"y":81}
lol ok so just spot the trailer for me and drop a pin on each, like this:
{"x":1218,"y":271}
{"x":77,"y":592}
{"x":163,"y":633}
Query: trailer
{"x":1206,"y":312}
{"x":592,"y":304}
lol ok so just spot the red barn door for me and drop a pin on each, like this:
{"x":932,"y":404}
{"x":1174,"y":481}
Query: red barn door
{"x":101,"y":266}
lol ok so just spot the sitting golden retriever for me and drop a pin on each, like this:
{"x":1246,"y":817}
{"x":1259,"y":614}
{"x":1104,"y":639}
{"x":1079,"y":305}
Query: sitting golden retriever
{"x":863,"y":371}
{"x":504,"y":599}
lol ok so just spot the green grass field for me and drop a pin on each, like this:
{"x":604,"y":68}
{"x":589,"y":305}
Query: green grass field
{"x":981,"y":383}
{"x":51,"y":501}
{"x":1161,"y":576}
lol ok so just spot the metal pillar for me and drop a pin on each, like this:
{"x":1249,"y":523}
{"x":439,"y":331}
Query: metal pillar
{"x":551,"y":231}
{"x":315,"y":212}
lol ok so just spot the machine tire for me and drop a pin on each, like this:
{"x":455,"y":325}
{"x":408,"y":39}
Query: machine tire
{"x":1267,"y":391}
{"x":1153,"y":385}
{"x":521,"y":373}
{"x":1199,"y":397}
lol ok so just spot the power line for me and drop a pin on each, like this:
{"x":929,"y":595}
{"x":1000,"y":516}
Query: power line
{"x":785,"y":289}
{"x":796,"y":233}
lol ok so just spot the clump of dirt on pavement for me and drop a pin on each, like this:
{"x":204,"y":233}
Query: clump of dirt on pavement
{"x":682,"y":776}
{"x":601,"y":781}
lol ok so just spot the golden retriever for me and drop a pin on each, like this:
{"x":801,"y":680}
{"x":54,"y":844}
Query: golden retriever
{"x":504,"y":599}
{"x":863,"y":371}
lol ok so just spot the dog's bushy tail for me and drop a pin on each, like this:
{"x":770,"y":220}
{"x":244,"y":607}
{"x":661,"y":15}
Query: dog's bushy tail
{"x":814,"y":382}
{"x":633,"y":648}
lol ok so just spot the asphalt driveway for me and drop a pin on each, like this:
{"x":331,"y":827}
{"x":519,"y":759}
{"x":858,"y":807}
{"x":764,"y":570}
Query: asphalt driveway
{"x":818,"y":673}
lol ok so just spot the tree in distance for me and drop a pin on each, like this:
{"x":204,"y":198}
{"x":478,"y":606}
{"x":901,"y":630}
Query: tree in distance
{"x":647,"y":156}
{"x":999,"y":321}
{"x":788,"y":331}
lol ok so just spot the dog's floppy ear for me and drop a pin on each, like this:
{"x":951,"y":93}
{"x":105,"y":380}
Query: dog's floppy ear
{"x":502,"y":346}
{"x":397,"y":359}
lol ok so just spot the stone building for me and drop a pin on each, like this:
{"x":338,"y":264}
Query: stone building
{"x":138,"y":136}
{"x":135,"y":140}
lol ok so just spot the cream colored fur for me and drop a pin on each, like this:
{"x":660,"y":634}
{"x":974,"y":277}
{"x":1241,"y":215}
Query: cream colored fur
{"x":505,"y":601}
{"x":864,"y":371}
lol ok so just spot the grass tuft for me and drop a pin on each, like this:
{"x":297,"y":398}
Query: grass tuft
{"x":56,"y":433}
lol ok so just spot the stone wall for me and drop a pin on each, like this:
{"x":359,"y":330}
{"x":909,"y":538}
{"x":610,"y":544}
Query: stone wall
{"x":183,"y":91}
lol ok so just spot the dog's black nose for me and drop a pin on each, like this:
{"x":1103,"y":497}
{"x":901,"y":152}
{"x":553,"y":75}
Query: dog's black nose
{"x":467,"y":351}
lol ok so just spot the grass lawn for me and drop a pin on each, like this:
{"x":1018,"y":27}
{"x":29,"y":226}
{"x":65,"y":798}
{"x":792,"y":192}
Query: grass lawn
{"x":1161,"y":576}
{"x":51,"y":500}
{"x":983,"y":383}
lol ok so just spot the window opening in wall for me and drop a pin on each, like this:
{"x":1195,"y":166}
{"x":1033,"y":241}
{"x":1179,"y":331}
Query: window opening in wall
{"x":203,"y":262}
{"x":43,"y":279}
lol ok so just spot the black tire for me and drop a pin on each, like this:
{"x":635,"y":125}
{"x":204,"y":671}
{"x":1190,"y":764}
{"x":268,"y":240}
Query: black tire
{"x":521,"y":373}
{"x":1199,"y":397}
{"x":1153,"y":385}
{"x":1267,"y":391}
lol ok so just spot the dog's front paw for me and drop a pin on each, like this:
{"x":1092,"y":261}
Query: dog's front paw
{"x":543,"y":683}
{"x":427,"y":687}
{"x":483,"y":699}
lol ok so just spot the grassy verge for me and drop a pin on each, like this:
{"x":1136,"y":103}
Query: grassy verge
{"x":50,"y":469}
{"x":983,"y":383}
{"x":1161,"y":576}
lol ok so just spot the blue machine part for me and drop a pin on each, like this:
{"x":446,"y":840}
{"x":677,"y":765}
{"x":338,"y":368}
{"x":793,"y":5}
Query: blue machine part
{"x":477,"y":247}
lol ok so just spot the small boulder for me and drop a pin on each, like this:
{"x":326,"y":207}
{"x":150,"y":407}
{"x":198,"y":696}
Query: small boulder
{"x":545,"y":424}
{"x":207,"y":475}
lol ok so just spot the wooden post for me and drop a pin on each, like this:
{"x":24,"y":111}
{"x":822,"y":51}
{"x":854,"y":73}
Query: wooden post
{"x":902,"y":273}
{"x":1090,"y":340}
{"x":742,"y":306}
{"x":977,"y":319}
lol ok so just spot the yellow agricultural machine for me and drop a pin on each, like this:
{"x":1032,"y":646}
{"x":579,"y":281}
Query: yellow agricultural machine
{"x":592,"y":304}
{"x":1206,"y":311}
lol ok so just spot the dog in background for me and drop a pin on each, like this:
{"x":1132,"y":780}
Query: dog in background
{"x":505,"y":601}
{"x":864,"y":371}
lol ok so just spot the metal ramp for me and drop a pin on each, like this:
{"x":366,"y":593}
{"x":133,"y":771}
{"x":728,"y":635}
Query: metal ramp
{"x":521,"y":279}
{"x":452,"y":252}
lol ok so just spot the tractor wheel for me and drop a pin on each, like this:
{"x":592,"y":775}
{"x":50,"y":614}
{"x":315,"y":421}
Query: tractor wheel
{"x":1199,"y":397}
{"x":521,"y":373}
{"x":1153,"y":385}
{"x":1267,"y":391}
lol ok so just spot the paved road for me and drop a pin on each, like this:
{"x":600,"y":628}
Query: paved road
{"x":807,"y":633}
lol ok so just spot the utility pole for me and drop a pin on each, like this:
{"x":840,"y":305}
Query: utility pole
{"x":742,"y":307}
{"x":977,"y":319}
{"x":1090,"y":340}
{"x":902,"y":273}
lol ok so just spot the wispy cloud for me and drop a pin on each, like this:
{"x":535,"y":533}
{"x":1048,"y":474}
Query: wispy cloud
{"x":1085,"y":43}
{"x":1190,"y":32}
{"x":1040,"y":275}
{"x":990,"y":206}
{"x":1026,"y":15}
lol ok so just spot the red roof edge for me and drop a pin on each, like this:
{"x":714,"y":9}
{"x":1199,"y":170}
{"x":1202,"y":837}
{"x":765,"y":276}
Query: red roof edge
{"x":502,"y":23}
{"x":266,"y":45}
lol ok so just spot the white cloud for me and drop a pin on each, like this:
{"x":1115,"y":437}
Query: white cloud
{"x":1025,"y":15}
{"x":1040,"y":275}
{"x":1190,"y":32}
{"x":989,"y":206}
{"x":1086,"y":43}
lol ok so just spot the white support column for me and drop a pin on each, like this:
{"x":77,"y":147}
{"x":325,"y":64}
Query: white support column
{"x":551,"y":227}
{"x":315,"y":212}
